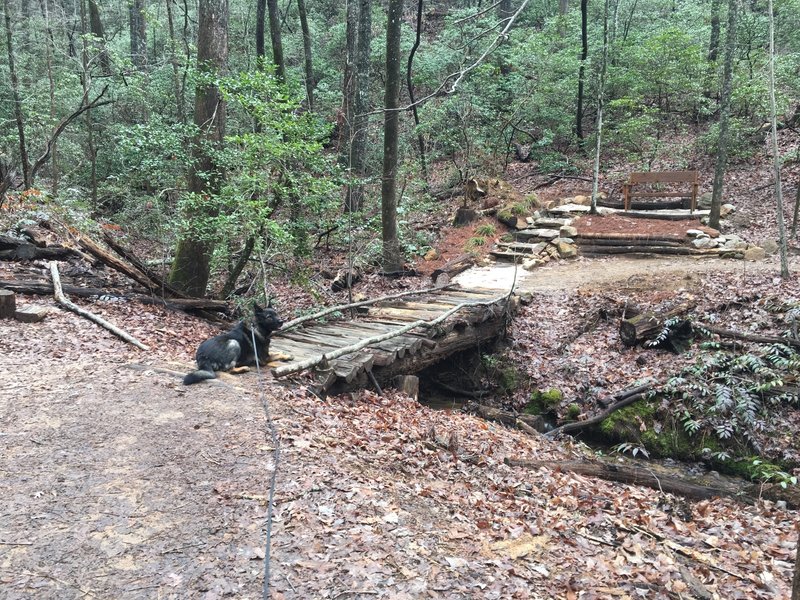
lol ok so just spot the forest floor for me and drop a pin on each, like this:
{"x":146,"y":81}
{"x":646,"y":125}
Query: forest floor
{"x":116,"y":481}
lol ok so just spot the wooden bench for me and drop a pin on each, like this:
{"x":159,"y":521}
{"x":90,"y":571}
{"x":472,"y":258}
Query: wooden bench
{"x":641,"y":185}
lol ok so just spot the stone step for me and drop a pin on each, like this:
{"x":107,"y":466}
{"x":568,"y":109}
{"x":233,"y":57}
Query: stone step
{"x":542,"y":234}
{"x":521,"y":247}
{"x":551,"y":223}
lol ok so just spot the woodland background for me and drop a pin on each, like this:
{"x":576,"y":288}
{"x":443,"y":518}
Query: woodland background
{"x":216,"y":132}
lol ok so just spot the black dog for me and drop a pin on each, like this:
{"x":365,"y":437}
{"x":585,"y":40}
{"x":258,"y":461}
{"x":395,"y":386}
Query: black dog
{"x":234,"y":351}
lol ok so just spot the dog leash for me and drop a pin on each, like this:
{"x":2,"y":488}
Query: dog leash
{"x":276,"y":460}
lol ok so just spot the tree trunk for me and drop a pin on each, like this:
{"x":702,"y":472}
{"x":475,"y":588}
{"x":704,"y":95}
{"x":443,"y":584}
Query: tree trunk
{"x":261,"y":16}
{"x":348,"y":86}
{"x":599,"y":132}
{"x":309,"y":67}
{"x":96,"y":27}
{"x":275,"y":38}
{"x":713,"y":42}
{"x":724,"y":117}
{"x":177,"y":83}
{"x":18,"y":116}
{"x":563,"y":11}
{"x":420,"y":139}
{"x":354,"y":196}
{"x":138,"y":29}
{"x":582,"y":71}
{"x":776,"y":156}
{"x":49,"y":46}
{"x":392,"y":256}
{"x":191,"y":268}
{"x":86,"y":81}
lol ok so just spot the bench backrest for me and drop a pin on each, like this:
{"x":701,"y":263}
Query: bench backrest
{"x":664,"y":177}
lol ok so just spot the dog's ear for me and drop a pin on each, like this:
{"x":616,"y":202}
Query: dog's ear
{"x":257,"y":308}
{"x":269,"y":301}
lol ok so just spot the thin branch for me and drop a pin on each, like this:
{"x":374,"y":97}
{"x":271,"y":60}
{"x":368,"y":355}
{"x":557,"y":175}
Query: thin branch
{"x":63,"y":125}
{"x":62,"y":299}
{"x":443,"y":89}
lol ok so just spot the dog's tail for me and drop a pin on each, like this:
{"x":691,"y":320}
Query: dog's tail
{"x":198,"y":376}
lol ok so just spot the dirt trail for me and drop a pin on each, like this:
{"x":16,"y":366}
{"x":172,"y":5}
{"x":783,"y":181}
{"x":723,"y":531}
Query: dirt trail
{"x":118,"y":482}
{"x":658,"y":272}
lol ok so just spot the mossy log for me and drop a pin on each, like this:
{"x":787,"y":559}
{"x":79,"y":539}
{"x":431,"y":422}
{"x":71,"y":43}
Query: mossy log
{"x":648,"y":325}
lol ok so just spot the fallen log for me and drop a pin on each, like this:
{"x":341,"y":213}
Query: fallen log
{"x":12,"y":248}
{"x":143,"y":268}
{"x":648,"y":325}
{"x":657,"y":248}
{"x":453,"y":267}
{"x":45,"y":288}
{"x":634,"y":395}
{"x":62,"y":300}
{"x":632,"y":475}
{"x":695,"y":488}
{"x":748,"y":337}
{"x":113,"y":262}
{"x":511,"y":419}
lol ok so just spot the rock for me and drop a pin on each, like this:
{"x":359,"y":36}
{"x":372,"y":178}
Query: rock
{"x":605,"y":210}
{"x":511,"y":220}
{"x":545,"y":234}
{"x":568,"y":231}
{"x":566,"y":240}
{"x":754,"y":253}
{"x":704,"y":243}
{"x":549,"y":223}
{"x":726,"y":209}
{"x":432,"y":254}
{"x":566,"y":250}
{"x":734,"y":242}
{"x":531,"y":264}
{"x":731,"y":254}
{"x":770,"y":247}
{"x":582,"y":200}
{"x":570,"y":208}
{"x":695,"y":233}
{"x":704,"y":201}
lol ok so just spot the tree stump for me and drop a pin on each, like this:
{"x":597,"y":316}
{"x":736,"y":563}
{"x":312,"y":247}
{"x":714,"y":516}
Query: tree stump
{"x":465,"y":216}
{"x":648,"y":325}
{"x":8,"y":304}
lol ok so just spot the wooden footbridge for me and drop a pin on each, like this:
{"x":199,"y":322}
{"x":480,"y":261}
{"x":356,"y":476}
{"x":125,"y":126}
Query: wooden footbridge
{"x":395,"y":335}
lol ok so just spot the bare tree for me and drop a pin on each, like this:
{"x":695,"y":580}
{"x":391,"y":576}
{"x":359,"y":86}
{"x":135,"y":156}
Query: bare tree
{"x":392,"y":257}
{"x":724,"y":116}
{"x":309,"y":67}
{"x":776,"y":157}
{"x":18,"y":116}
{"x":582,"y":71}
{"x":354,"y":196}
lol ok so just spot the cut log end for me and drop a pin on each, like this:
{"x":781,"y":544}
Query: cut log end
{"x":8,"y":304}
